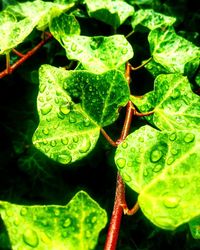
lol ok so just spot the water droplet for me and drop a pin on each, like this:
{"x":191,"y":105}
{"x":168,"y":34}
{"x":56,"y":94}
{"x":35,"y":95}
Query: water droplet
{"x":75,"y":139}
{"x":124,"y":51}
{"x":157,"y":168}
{"x":41,"y":99}
{"x":30,"y":237}
{"x":88,"y":234}
{"x":124,"y":144}
{"x":64,"y":158}
{"x":85,"y":147}
{"x":171,"y":201}
{"x":121,"y":162}
{"x":46,"y":109}
{"x":72,"y":119}
{"x":156,"y":155}
{"x":86,"y":123}
{"x":94,"y":219}
{"x":60,"y":115}
{"x":45,"y":238}
{"x":23,"y":211}
{"x":42,"y":88}
{"x":64,"y":109}
{"x":126,"y":177}
{"x":45,"y":131}
{"x":56,"y":212}
{"x":170,"y":160}
{"x":53,"y":143}
{"x":172,"y":136}
{"x":64,"y":141}
{"x":67,"y":222}
{"x":189,"y":137}
{"x":174,"y":151}
{"x":176,"y":93}
{"x":16,"y":221}
{"x":145,"y":173}
{"x":74,"y":47}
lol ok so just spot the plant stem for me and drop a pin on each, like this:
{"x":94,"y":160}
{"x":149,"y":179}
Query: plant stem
{"x":24,"y":57}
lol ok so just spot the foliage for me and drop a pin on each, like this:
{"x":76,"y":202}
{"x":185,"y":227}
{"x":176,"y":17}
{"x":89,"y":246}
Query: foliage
{"x":49,"y":140}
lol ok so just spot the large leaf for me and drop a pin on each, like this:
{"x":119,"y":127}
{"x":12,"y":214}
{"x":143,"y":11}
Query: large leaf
{"x":164,"y":168}
{"x":12,"y":32}
{"x":151,"y":19}
{"x":173,"y":52}
{"x":175,"y":105}
{"x":40,"y":10}
{"x":72,"y":107}
{"x":98,"y":54}
{"x":64,"y":25}
{"x":74,"y":226}
{"x":111,"y":12}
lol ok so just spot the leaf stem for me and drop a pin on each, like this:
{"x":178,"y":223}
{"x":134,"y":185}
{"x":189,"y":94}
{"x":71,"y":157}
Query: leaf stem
{"x":24,"y":58}
{"x":142,"y":65}
{"x":8,"y":63}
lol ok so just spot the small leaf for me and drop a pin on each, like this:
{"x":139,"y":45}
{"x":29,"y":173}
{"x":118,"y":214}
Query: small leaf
{"x":172,"y":51}
{"x":194,"y":225}
{"x":64,"y":25}
{"x":72,"y":107}
{"x":74,"y":226}
{"x":175,"y":105}
{"x":111,"y":12}
{"x":43,"y":12}
{"x":98,"y":54}
{"x":151,"y":19}
{"x":12,"y":32}
{"x":163,"y":166}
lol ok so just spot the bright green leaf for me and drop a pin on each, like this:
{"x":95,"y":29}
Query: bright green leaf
{"x":175,"y":105}
{"x":64,"y":25}
{"x":74,"y":226}
{"x":155,"y":68}
{"x":173,"y":52}
{"x":98,"y":54}
{"x":151,"y":19}
{"x":108,"y":11}
{"x":194,"y":225}
{"x":164,"y":168}
{"x":68,"y":131}
{"x":43,"y":12}
{"x":12,"y":32}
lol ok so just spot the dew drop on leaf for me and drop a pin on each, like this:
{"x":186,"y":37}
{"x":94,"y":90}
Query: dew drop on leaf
{"x":84,"y":148}
{"x":72,"y":119}
{"x":172,"y":136}
{"x":64,"y":141}
{"x":74,"y":47}
{"x":171,"y":201}
{"x":30,"y":237}
{"x":53,"y":143}
{"x":57,"y":212}
{"x":64,"y":158}
{"x":42,"y":88}
{"x":23,"y":211}
{"x":121,"y":162}
{"x":124,"y":51}
{"x":157,"y":168}
{"x":67,"y":222}
{"x":75,"y":139}
{"x":64,"y":109}
{"x":94,"y":219}
{"x":170,"y":160}
{"x":189,"y":137}
{"x":176,"y":93}
{"x":156,"y":155}
{"x":145,"y":173}
{"x":86,"y":123}
{"x":45,"y":131}
{"x":126,"y":177}
{"x":124,"y":144}
{"x":46,"y":109}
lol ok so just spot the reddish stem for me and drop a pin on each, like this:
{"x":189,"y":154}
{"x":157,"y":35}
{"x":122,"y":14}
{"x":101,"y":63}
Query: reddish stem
{"x":25,"y":57}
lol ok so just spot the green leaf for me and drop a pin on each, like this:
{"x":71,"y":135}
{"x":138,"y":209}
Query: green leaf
{"x":64,"y":25}
{"x":194,"y":225}
{"x":175,"y":105}
{"x":155,"y":68}
{"x":151,"y":19}
{"x":108,"y":11}
{"x":172,"y":51}
{"x":98,"y":54}
{"x":163,"y":166}
{"x":43,"y":12}
{"x":74,"y":226}
{"x":72,"y":107}
{"x":12,"y":32}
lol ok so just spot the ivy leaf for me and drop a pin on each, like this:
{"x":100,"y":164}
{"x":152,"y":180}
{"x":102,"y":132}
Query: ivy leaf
{"x":176,"y":106}
{"x":43,"y":12}
{"x":98,"y":54}
{"x":173,"y":52}
{"x":72,"y":107}
{"x":155,"y":68}
{"x":111,"y":12}
{"x":12,"y":32}
{"x":151,"y":19}
{"x":194,"y":225}
{"x":74,"y":226}
{"x":163,"y":167}
{"x":64,"y":25}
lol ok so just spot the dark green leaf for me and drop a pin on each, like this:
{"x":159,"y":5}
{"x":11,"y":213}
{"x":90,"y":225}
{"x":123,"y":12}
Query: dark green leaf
{"x":74,"y":226}
{"x":194,"y":225}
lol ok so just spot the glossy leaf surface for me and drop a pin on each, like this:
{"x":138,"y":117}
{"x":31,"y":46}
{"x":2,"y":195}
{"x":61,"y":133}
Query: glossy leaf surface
{"x":98,"y":54}
{"x":111,"y":12}
{"x":12,"y":32}
{"x":173,"y":52}
{"x":74,"y":226}
{"x":175,"y":105}
{"x":151,"y":19}
{"x":163,"y":168}
{"x":68,"y":131}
